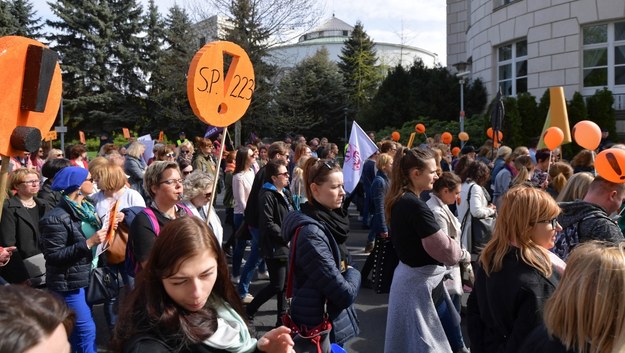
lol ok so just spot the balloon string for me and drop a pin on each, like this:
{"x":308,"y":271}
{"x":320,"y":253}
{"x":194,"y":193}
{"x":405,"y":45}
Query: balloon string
{"x":549,"y":165}
{"x":594,"y":170}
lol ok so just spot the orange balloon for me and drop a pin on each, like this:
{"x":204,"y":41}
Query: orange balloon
{"x":220,"y":98}
{"x":489,"y":132}
{"x":455,"y":151}
{"x":610,"y":164}
{"x":395,"y":136}
{"x":587,"y":134}
{"x":496,"y":144}
{"x":446,"y":137}
{"x":553,"y":137}
{"x":420,"y":128}
{"x":463,"y":136}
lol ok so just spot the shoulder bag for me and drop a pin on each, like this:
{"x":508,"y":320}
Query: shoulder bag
{"x":481,"y":228}
{"x":103,"y":285}
{"x":307,"y":340}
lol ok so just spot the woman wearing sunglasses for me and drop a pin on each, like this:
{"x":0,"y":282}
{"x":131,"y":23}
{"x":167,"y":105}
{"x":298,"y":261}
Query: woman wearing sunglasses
{"x":274,"y":203}
{"x":198,"y":189}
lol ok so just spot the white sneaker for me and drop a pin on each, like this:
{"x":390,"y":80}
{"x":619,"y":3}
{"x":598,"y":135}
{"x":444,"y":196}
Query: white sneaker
{"x":247,"y":298}
{"x":236,"y":279}
{"x":263,"y":275}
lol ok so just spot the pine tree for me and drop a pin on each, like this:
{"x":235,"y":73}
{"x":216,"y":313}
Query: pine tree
{"x":311,"y":100}
{"x":27,"y":24}
{"x":152,"y":56}
{"x":170,"y":81}
{"x":358,"y":65}
{"x":8,"y":24}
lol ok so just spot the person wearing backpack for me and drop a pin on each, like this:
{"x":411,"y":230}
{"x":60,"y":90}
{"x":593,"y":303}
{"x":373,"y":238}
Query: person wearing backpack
{"x":589,"y":219}
{"x":162,"y":181}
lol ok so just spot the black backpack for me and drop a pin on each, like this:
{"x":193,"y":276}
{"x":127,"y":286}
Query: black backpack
{"x":568,"y":238}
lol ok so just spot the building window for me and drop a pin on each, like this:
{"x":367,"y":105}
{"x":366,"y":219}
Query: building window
{"x":512,"y":68}
{"x":604,"y":55}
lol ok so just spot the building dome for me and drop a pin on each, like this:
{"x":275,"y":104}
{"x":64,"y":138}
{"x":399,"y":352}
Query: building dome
{"x":332,"y":28}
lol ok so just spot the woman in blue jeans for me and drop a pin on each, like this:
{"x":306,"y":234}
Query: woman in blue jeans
{"x":69,"y":235}
{"x":274,"y":203}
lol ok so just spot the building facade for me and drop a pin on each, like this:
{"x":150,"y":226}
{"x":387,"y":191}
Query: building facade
{"x":531,"y":45}
{"x":332,"y":35}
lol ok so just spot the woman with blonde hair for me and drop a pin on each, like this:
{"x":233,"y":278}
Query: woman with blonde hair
{"x":586,"y":313}
{"x":576,"y":187}
{"x":516,"y":272}
{"x":559,"y":175}
{"x":134,"y":166}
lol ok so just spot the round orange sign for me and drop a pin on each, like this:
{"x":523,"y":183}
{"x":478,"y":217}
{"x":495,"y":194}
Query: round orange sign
{"x":23,"y":84}
{"x":220,"y":91}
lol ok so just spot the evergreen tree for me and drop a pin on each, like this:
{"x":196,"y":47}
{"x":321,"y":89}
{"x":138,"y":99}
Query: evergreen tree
{"x":310,"y":100}
{"x":8,"y":24}
{"x":357,"y":63}
{"x":393,"y":102}
{"x":27,"y":24}
{"x":249,"y":33}
{"x":169,"y":83}
{"x":532,"y":122}
{"x":601,"y":110}
{"x":127,"y":46}
{"x":152,"y":56}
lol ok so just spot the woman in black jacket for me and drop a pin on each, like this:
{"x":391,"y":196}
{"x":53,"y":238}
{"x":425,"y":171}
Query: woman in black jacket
{"x":69,"y":235}
{"x":20,"y":228}
{"x":325,"y":283}
{"x":184,"y":301}
{"x":274,"y":203}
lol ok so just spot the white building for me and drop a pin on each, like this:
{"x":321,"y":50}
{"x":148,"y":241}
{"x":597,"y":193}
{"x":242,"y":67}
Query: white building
{"x":332,"y":35}
{"x":530,"y":45}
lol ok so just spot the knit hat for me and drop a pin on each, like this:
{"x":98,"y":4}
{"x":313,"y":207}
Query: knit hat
{"x":69,"y":179}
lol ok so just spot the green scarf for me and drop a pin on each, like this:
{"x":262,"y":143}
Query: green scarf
{"x":232,"y":334}
{"x":85,"y":211}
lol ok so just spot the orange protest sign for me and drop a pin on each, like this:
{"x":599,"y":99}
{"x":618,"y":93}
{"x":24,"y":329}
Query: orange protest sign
{"x":81,"y":136}
{"x":30,"y":92}
{"x":126,"y":133}
{"x":50,"y":136}
{"x":161,"y":136}
{"x":217,"y":97}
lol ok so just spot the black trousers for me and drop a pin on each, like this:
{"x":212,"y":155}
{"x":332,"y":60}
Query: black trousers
{"x":277,"y":280}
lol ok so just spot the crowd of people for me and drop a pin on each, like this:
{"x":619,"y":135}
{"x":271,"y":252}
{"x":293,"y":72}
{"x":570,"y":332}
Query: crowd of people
{"x":517,"y":230}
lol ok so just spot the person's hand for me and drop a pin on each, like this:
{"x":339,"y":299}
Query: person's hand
{"x":492,"y":206}
{"x":383,"y":235}
{"x":5,"y":254}
{"x":119,"y":217}
{"x":277,"y":340}
{"x":97,"y":238}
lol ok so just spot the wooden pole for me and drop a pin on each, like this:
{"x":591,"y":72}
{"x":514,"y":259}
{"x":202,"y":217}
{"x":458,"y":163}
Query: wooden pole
{"x":4,"y":176}
{"x":216,"y":178}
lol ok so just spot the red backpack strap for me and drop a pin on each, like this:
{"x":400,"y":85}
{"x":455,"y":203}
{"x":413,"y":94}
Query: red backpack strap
{"x":289,"y":283}
{"x":152,"y":217}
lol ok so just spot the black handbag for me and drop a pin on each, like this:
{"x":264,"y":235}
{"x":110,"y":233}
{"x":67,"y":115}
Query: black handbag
{"x":103,"y":285}
{"x":481,"y":228}
{"x":385,"y":261}
{"x":307,"y":340}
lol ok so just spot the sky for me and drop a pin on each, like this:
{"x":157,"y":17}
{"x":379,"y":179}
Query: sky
{"x":418,"y":23}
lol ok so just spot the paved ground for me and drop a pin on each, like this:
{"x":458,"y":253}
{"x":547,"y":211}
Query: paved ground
{"x":371,"y":307}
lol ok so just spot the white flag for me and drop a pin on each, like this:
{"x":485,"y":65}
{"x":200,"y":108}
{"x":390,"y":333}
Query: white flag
{"x":359,"y":149}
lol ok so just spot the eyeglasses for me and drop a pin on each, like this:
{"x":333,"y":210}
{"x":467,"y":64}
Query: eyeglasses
{"x":554,"y":222}
{"x":184,"y":152}
{"x":31,"y":182}
{"x":187,"y":172}
{"x":169,"y":155}
{"x":171,"y":181}
{"x":285,"y":174}
{"x":59,"y":154}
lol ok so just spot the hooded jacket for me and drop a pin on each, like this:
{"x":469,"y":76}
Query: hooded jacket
{"x":317,"y":278}
{"x":594,"y":223}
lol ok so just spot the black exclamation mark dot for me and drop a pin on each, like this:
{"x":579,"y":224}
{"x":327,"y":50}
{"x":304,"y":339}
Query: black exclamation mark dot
{"x":614,"y":163}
